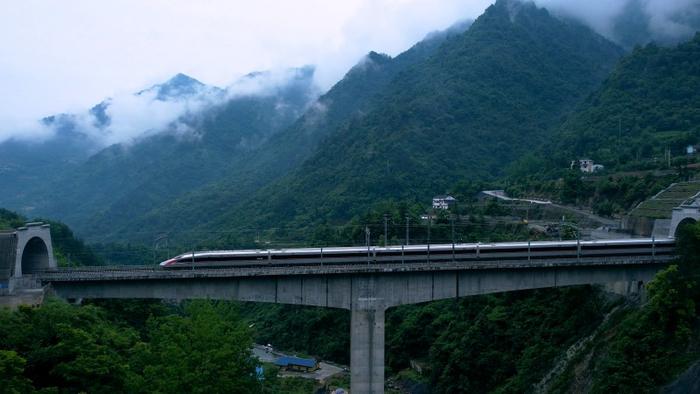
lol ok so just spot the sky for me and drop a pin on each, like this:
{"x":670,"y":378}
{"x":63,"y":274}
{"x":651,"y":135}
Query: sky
{"x":64,"y":56}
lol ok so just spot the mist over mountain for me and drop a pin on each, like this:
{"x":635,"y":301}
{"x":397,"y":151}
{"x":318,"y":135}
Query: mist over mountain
{"x":266,"y":132}
{"x":633,"y":22}
{"x":351,"y":97}
{"x":189,"y":149}
{"x":459,"y":108}
{"x":178,"y":87}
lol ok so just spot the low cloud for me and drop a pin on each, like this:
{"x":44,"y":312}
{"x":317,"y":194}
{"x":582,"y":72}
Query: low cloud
{"x":673,"y":19}
{"x":267,"y":82}
{"x":56,"y":59}
{"x":136,"y":116}
{"x":131,"y":116}
{"x":26,"y":130}
{"x":663,"y":21}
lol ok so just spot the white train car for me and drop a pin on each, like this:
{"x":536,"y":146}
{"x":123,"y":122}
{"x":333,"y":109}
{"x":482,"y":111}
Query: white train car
{"x":540,"y":250}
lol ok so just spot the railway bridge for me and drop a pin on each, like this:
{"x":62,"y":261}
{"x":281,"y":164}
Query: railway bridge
{"x":368,"y":288}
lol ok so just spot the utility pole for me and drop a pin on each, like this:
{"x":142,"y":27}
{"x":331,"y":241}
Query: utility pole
{"x":156,"y":244}
{"x":452,"y":220}
{"x":386,"y":234}
{"x":430,"y":221}
{"x":367,"y":242}
{"x":561,"y":225}
{"x":407,"y":239}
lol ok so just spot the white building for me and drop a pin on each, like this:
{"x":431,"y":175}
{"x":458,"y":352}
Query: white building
{"x":443,"y":202}
{"x":586,"y":165}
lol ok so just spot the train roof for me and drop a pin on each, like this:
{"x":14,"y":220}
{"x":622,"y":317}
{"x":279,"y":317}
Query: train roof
{"x":420,"y":247}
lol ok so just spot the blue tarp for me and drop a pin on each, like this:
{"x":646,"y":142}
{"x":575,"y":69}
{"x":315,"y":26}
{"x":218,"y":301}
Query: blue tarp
{"x":303,"y":362}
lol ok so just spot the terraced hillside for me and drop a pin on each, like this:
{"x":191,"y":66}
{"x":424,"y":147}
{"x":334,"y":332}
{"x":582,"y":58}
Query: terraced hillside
{"x":660,"y":206}
{"x":641,"y":220}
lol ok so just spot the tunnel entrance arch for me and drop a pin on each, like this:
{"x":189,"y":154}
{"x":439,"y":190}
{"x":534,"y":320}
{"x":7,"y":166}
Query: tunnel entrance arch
{"x":35,"y":256}
{"x":687,"y":212}
{"x":681,"y":224}
{"x":34,"y":251}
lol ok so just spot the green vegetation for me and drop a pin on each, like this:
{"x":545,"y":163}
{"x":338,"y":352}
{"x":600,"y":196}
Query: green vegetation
{"x":201,"y":348}
{"x":476,"y":104}
{"x":68,"y":249}
{"x":506,"y":343}
{"x":646,"y":347}
{"x":459,"y":105}
{"x":124,"y":181}
{"x":10,"y":220}
{"x":661,"y":205}
{"x":353,"y":96}
{"x":317,"y":332}
{"x":453,"y":114}
{"x":647,"y":105}
{"x":606,"y":195}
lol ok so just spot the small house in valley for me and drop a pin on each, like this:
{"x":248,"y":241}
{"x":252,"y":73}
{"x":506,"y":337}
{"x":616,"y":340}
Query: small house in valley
{"x":443,"y":202}
{"x":586,"y":165}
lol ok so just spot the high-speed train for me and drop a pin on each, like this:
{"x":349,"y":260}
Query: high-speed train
{"x":540,"y":250}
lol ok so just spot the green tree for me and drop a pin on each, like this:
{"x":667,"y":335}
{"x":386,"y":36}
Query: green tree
{"x":206,"y":350}
{"x":649,"y":347}
{"x":69,"y":347}
{"x":11,"y":370}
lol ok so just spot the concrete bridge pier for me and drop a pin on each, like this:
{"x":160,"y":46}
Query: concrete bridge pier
{"x":367,"y":313}
{"x":367,"y":350}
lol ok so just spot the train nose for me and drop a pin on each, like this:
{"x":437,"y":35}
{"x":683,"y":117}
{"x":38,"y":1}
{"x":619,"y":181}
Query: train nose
{"x":167,"y":263}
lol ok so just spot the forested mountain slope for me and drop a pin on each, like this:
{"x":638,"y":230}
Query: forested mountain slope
{"x":352,"y":97}
{"x":481,"y":101}
{"x":649,"y":103}
{"x":126,"y":180}
{"x":58,"y":144}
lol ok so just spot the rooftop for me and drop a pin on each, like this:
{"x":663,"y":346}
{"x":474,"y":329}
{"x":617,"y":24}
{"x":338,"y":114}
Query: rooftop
{"x":288,"y":360}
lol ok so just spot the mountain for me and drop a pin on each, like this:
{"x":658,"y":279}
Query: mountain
{"x":124,"y":181}
{"x":73,"y":137}
{"x":647,"y":105}
{"x":25,"y":164}
{"x":479,"y":101}
{"x":214,"y":128}
{"x":351,"y":97}
{"x":179,"y":87}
